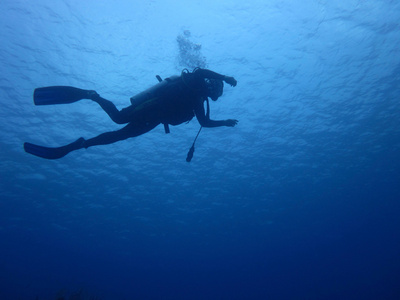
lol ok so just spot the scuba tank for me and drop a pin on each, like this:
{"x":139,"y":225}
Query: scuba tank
{"x":153,"y":95}
{"x":153,"y":92}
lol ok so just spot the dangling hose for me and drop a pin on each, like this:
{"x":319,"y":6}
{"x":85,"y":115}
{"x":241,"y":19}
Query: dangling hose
{"x":191,"y":151}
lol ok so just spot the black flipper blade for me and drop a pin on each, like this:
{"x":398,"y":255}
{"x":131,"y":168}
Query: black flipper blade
{"x":58,"y":95}
{"x":53,"y":153}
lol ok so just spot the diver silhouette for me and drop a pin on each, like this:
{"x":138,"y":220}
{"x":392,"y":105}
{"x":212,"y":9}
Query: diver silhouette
{"x":172,"y":101}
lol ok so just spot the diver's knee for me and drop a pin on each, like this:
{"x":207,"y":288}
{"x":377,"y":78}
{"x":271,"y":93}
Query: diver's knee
{"x":119,"y":120}
{"x":93,"y":95}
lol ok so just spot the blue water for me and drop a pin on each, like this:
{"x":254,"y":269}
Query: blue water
{"x":300,"y":201}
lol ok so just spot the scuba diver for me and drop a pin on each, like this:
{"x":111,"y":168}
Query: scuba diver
{"x":174,"y":100}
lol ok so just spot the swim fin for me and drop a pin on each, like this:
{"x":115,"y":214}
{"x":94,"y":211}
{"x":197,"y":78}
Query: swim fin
{"x":60,"y":95}
{"x":53,"y":153}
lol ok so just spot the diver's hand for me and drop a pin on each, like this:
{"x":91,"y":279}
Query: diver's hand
{"x":231,"y":122}
{"x":230,"y":80}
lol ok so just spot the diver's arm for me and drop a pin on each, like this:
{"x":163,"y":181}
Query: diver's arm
{"x":206,"y":122}
{"x":204,"y":73}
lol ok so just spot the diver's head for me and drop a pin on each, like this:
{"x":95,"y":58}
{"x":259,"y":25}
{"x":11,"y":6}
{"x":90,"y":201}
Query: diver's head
{"x":215,"y":88}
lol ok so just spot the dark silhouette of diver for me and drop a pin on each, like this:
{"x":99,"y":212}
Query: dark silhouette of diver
{"x":172,"y":101}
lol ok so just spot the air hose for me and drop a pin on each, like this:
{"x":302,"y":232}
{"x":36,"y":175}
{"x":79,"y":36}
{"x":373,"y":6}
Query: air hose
{"x":191,"y":151}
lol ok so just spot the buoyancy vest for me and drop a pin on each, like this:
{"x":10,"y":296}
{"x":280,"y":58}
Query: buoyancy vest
{"x":171,"y":98}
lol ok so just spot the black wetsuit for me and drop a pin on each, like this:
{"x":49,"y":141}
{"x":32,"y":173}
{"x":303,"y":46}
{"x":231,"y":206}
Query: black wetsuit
{"x":181,"y":102}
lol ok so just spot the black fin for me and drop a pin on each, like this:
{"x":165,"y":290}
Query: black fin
{"x":53,"y":153}
{"x":59,"y":95}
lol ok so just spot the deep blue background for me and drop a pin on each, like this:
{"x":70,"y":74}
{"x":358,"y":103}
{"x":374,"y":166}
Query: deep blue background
{"x":299,"y":201}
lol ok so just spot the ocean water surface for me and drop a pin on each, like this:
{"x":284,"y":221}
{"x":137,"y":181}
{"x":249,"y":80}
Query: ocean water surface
{"x":299,"y":201}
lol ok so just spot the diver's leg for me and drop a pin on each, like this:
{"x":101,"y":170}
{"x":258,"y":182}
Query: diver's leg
{"x":130,"y":130}
{"x":112,"y":111}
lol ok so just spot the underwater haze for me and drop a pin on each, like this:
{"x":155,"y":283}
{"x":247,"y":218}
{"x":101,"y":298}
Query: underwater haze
{"x":301,"y":200}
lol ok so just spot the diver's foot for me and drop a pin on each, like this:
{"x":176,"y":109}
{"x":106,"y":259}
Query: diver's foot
{"x":92,"y":95}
